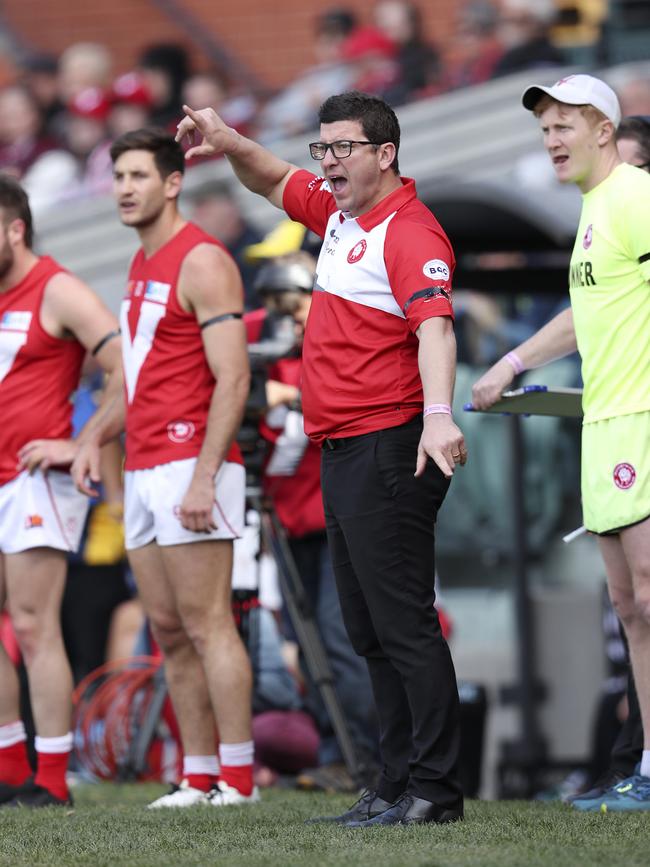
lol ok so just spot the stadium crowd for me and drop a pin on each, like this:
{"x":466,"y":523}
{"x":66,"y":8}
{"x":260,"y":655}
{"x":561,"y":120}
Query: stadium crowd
{"x":59,"y":115}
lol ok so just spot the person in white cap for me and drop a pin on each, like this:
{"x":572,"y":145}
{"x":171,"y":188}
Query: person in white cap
{"x":608,"y":322}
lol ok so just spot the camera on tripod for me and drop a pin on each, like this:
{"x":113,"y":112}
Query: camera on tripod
{"x":284,"y":286}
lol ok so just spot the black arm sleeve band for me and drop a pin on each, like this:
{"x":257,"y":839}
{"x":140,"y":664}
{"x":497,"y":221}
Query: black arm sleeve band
{"x":222,"y":318}
{"x":430,"y":292}
{"x":644,"y":258}
{"x":105,"y":339}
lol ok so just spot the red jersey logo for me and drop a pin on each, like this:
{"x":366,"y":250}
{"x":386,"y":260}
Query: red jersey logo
{"x":588,"y":237}
{"x":180,"y":431}
{"x":32,"y":521}
{"x":357,"y":252}
{"x":624,"y":476}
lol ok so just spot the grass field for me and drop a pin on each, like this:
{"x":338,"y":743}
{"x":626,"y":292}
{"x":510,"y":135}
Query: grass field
{"x":109,"y":826}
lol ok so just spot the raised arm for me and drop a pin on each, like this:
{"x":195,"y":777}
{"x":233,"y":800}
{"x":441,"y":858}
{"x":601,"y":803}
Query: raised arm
{"x":257,"y":168}
{"x":555,"y":340}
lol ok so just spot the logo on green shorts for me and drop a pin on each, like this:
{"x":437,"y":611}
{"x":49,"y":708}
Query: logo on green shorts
{"x":624,"y":476}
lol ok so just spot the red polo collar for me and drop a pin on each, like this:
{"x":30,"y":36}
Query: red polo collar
{"x":387,"y":206}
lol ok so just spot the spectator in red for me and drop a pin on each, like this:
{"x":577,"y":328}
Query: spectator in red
{"x":88,"y":140}
{"x":371,"y":55}
{"x":130,"y":104}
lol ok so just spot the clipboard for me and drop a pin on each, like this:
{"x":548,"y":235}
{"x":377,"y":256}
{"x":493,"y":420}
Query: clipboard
{"x":537,"y":400}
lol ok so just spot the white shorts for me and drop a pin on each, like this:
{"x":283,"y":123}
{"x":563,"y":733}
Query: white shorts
{"x":41,"y":511}
{"x":152,"y":500}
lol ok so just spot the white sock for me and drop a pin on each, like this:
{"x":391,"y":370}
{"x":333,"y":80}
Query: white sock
{"x":201,"y":765}
{"x":645,"y":764}
{"x":237,"y":755}
{"x":62,"y":744}
{"x":12,"y":733}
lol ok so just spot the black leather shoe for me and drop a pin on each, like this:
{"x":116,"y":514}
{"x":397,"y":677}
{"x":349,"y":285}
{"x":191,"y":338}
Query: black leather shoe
{"x":368,"y":806}
{"x":409,"y":810}
{"x":34,"y":796}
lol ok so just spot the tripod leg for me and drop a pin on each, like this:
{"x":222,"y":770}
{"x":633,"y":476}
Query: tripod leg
{"x":309,"y":637}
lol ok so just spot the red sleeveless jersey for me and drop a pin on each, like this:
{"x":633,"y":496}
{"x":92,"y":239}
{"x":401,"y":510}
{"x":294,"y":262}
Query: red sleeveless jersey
{"x":38,"y":372}
{"x":168,"y":382}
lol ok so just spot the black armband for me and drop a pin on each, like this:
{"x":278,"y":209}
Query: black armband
{"x":644,"y":258}
{"x":429,"y":292}
{"x":105,"y":339}
{"x":223,"y":318}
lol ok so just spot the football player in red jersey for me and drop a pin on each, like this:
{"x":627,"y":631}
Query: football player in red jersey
{"x":187,"y":379}
{"x":48,"y":320}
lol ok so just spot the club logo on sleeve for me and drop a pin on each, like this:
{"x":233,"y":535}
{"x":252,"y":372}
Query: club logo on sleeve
{"x":180,"y":431}
{"x":436,"y":269}
{"x":155,"y":291}
{"x":357,"y":251}
{"x":588,"y":236}
{"x":33,"y":521}
{"x":16,"y":320}
{"x":320,"y":182}
{"x":624,"y":476}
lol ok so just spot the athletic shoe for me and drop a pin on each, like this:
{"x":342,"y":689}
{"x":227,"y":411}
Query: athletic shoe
{"x":180,"y":796}
{"x":631,"y":794}
{"x":34,"y":796}
{"x":223,"y":795}
{"x":592,"y":798}
{"x":9,"y":792}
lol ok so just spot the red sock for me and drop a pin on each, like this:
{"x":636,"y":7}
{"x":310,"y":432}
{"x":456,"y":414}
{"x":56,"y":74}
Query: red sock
{"x":14,"y":766}
{"x":204,"y":782}
{"x":240,"y":777}
{"x":50,"y":773}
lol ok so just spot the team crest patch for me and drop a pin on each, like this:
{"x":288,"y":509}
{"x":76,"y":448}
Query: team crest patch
{"x":436,"y":269}
{"x":357,"y":252}
{"x":588,"y":236}
{"x":180,"y":431}
{"x":624,"y":476}
{"x":32,"y":521}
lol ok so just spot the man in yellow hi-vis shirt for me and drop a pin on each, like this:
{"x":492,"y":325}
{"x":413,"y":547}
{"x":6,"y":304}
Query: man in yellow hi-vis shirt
{"x":609,"y":323}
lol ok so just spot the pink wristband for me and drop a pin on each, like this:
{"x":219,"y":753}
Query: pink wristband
{"x":515,"y":362}
{"x":442,"y":408}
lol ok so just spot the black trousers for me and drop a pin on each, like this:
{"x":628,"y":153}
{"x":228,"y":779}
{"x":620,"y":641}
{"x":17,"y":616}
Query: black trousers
{"x":380,"y":527}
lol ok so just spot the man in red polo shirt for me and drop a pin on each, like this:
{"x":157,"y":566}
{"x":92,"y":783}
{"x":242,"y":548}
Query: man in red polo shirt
{"x":378,"y":373}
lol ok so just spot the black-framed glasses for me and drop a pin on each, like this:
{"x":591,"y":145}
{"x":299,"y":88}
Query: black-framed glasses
{"x":340,"y":149}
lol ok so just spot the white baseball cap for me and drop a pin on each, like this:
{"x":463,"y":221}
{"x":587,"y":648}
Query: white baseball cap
{"x":577,"y":90}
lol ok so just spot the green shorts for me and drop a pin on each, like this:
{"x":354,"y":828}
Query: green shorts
{"x":616,"y":472}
